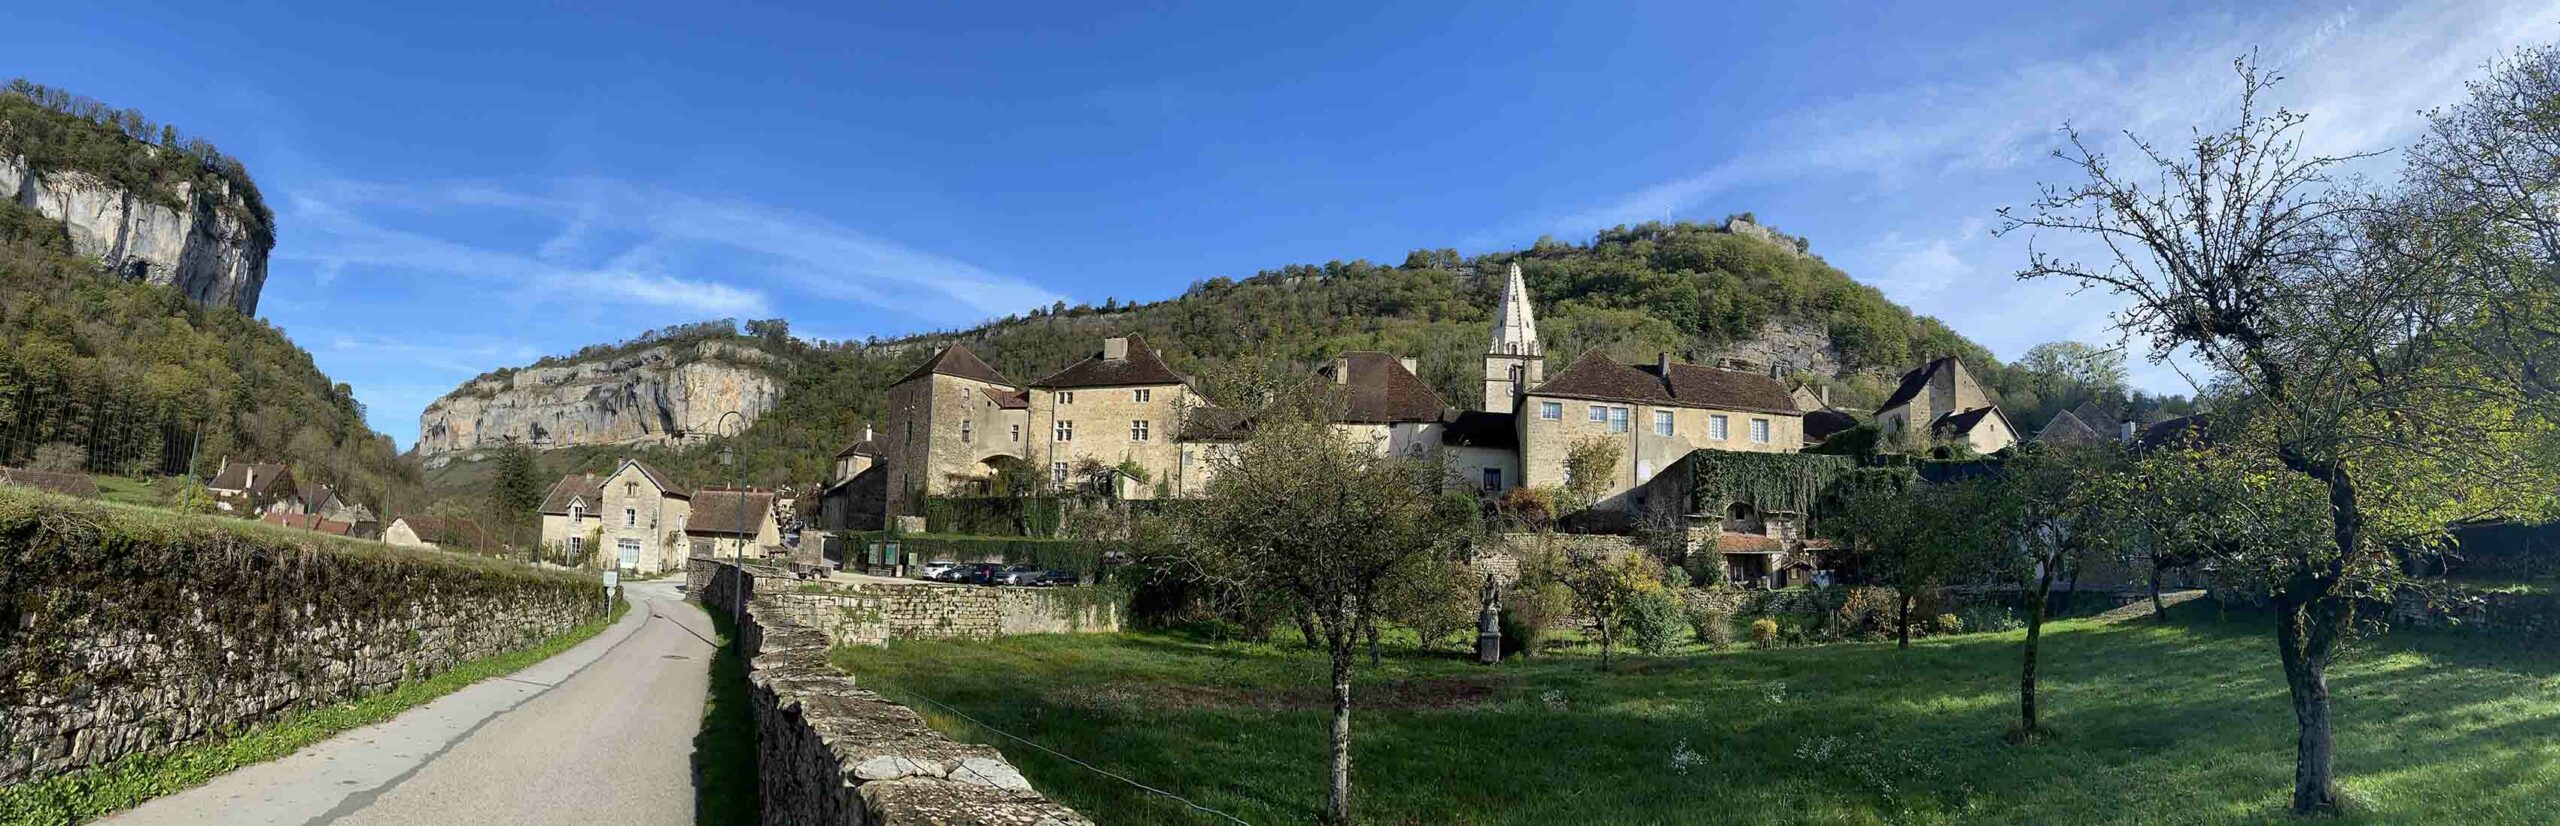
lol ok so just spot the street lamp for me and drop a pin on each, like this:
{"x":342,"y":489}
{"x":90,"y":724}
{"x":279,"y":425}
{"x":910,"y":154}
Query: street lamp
{"x":729,"y":457}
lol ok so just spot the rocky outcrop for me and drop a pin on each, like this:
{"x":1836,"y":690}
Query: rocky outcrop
{"x":200,"y":245}
{"x":652,"y":396}
{"x":1792,"y":345}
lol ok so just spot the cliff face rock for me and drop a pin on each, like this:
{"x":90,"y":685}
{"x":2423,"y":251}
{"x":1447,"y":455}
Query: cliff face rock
{"x":200,"y":247}
{"x":652,"y":396}
{"x":1792,"y":345}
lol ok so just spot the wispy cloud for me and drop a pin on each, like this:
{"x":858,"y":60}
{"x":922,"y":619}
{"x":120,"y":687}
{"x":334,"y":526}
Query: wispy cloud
{"x":762,"y":248}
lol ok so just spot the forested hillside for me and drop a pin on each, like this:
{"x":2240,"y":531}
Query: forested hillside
{"x":1695,"y":290}
{"x":124,"y":378}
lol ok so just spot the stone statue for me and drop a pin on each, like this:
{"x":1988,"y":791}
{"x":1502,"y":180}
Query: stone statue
{"x":1489,"y":624}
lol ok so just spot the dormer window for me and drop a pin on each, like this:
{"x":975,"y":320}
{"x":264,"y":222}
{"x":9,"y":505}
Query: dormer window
{"x":577,"y":511}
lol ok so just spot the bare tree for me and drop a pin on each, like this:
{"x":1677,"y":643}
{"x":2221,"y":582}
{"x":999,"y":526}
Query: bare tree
{"x":2326,"y":326}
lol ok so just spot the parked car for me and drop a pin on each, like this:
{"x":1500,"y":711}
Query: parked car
{"x":1017,"y":575}
{"x":1055,"y":578}
{"x":977,"y":573}
{"x":936,"y":568}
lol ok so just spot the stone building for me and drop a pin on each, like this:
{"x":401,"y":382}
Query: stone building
{"x":1657,"y":413}
{"x":953,"y":419}
{"x":1380,"y":401}
{"x":854,"y":495}
{"x":248,"y":487}
{"x":1941,"y":400}
{"x":1517,"y":360}
{"x":436,"y":532}
{"x":729,"y":521}
{"x":1119,"y":405}
{"x":325,"y":502}
{"x":2068,"y":429}
{"x":632,"y":519}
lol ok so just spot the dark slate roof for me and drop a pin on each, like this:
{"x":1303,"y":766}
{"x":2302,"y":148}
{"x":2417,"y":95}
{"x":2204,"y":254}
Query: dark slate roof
{"x":1008,"y":399}
{"x":309,"y":523}
{"x":315,"y":495}
{"x":1594,"y":376}
{"x":2096,"y":416}
{"x":865,"y":447}
{"x":2067,"y":428}
{"x":1820,"y":424}
{"x":1912,"y":383}
{"x":67,"y":484}
{"x":1215,"y":424}
{"x":2169,"y":432}
{"x":235,"y":476}
{"x":1477,"y":428}
{"x":1380,"y":391}
{"x":1141,"y":369}
{"x":717,"y":512}
{"x":1962,"y":423}
{"x":956,"y":360}
{"x":573,"y":486}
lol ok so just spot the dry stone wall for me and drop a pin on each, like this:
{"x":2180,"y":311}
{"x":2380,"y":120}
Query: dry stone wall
{"x":128,"y":633}
{"x":831,"y":752}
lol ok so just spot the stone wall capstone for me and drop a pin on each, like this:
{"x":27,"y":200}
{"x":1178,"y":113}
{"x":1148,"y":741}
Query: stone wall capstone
{"x":831,"y":752}
{"x":129,"y":633}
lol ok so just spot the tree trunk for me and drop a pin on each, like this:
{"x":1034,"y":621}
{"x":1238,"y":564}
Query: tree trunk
{"x":1902,"y":618}
{"x":1608,"y":638}
{"x":1307,"y":631}
{"x":2306,"y":636}
{"x":2159,"y":611}
{"x":1340,"y":637}
{"x":2070,"y":592}
{"x":1369,"y":631}
{"x":2027,"y":670}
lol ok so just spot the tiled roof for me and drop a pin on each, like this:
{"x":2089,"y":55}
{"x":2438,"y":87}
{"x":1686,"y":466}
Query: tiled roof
{"x":1215,"y":424}
{"x":1748,"y":543}
{"x":1477,"y":428}
{"x":1142,"y":368}
{"x":1380,"y":391}
{"x":2170,"y":432}
{"x":1912,"y":383}
{"x":309,"y":523}
{"x":1594,"y":376}
{"x":67,"y":484}
{"x":723,"y":512}
{"x":865,"y":447}
{"x":572,"y":487}
{"x":957,"y":361}
{"x":236,"y":475}
{"x":1820,"y":424}
{"x":1963,"y":423}
{"x":666,"y":485}
{"x":1008,"y":399}
{"x":2067,"y":428}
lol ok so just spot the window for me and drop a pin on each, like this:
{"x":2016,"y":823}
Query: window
{"x":1760,"y":430}
{"x":630,"y":517}
{"x":1617,"y":420}
{"x":1717,"y":428}
{"x":577,"y":545}
{"x":1142,"y":395}
{"x":1066,"y":397}
{"x":1599,"y":413}
{"x":1551,"y":411}
{"x":1066,"y":431}
{"x":577,"y":512}
{"x":1057,"y":473}
{"x":1017,"y":433}
{"x":1138,"y":430}
{"x":1493,"y":479}
{"x":1662,"y":423}
{"x":630,"y":488}
{"x":911,"y":433}
{"x":967,"y":431}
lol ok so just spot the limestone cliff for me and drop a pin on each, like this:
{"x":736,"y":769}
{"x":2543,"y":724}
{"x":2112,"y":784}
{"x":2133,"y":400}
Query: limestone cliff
{"x":651,"y":396}
{"x":200,"y":244}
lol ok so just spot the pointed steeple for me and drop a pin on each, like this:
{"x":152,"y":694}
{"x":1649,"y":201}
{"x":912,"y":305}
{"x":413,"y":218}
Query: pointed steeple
{"x":1515,"y":326}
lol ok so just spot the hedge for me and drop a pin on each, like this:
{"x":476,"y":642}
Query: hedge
{"x":994,"y":515}
{"x":1058,"y":554}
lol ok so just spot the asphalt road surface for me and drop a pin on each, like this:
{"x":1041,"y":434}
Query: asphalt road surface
{"x":602,"y":733}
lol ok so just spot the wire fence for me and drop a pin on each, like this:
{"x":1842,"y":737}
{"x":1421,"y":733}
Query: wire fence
{"x":911,"y":696}
{"x":96,"y":432}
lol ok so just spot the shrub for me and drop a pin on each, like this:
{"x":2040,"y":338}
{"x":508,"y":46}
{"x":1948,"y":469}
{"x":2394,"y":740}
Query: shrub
{"x":1711,"y":623}
{"x":1654,"y":622}
{"x":1764,"y":633}
{"x":1528,"y":614}
{"x":1949,"y":624}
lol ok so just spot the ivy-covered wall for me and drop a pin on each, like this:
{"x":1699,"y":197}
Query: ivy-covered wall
{"x":124,"y":630}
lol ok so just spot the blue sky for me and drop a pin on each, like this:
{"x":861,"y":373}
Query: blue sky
{"x":465,"y":187}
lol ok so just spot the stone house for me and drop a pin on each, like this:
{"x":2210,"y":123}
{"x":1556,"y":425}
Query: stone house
{"x":1482,"y":451}
{"x":2068,"y":429}
{"x":1657,"y":412}
{"x":632,"y":519}
{"x":248,"y":487}
{"x":436,"y":532}
{"x":1940,"y":399}
{"x":325,"y":502}
{"x":1379,"y":400}
{"x":853,"y":497}
{"x":952,"y":418}
{"x":1121,"y":404}
{"x":733,"y":521}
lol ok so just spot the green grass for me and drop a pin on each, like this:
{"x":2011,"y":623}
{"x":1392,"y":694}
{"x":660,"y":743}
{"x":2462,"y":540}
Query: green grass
{"x":89,"y":793}
{"x":129,"y":491}
{"x":2186,"y":722}
{"x":724,"y":753}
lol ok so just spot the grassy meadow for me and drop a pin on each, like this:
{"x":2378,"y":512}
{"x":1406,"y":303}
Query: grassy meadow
{"x":2186,"y":722}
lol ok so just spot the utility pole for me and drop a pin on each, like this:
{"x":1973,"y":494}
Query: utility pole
{"x":730,"y":455}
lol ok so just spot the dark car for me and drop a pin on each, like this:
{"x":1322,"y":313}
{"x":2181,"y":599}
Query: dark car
{"x":983,"y":573}
{"x":1017,"y":575}
{"x":1050,"y":578}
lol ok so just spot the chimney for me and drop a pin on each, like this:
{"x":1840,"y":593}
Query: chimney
{"x":1342,"y":370}
{"x":1662,"y":364}
{"x":250,"y":478}
{"x":2124,"y":432}
{"x":1115,"y":348}
{"x":1410,"y":365}
{"x":1826,"y":395}
{"x":866,"y":433}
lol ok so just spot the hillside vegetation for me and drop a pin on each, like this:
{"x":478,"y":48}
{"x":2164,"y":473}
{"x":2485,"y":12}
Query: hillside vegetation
{"x":1690,"y":289}
{"x":56,"y":130}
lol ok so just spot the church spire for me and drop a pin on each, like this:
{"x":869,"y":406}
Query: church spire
{"x":1515,"y":326}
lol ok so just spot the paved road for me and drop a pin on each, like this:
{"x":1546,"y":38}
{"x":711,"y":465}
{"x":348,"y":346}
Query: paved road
{"x":602,"y":733}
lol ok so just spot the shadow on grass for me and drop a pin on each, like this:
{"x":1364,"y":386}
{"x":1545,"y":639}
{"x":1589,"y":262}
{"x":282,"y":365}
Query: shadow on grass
{"x":724,"y":753}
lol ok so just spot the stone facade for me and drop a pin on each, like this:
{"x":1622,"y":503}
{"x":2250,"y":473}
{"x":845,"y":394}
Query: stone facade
{"x":1935,"y":395}
{"x":1550,"y":425}
{"x":953,"y":420}
{"x":217,"y":627}
{"x":654,"y":396}
{"x":1110,"y":423}
{"x":632,"y":519}
{"x":831,"y":752}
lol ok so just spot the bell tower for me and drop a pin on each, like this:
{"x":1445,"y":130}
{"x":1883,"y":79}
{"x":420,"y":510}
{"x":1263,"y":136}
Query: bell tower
{"x":1516,"y":361}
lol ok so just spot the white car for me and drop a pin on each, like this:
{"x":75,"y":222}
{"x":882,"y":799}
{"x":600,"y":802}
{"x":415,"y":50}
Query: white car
{"x":936,"y":568}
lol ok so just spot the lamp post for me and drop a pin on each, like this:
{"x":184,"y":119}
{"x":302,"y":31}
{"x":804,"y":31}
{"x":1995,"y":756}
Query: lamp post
{"x":729,"y":456}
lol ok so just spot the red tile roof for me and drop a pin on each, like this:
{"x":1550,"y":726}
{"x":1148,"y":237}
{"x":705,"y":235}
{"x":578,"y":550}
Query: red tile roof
{"x":1142,"y":368}
{"x":309,"y":523}
{"x":1739,"y":543}
{"x":724,"y":512}
{"x":1378,"y":390}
